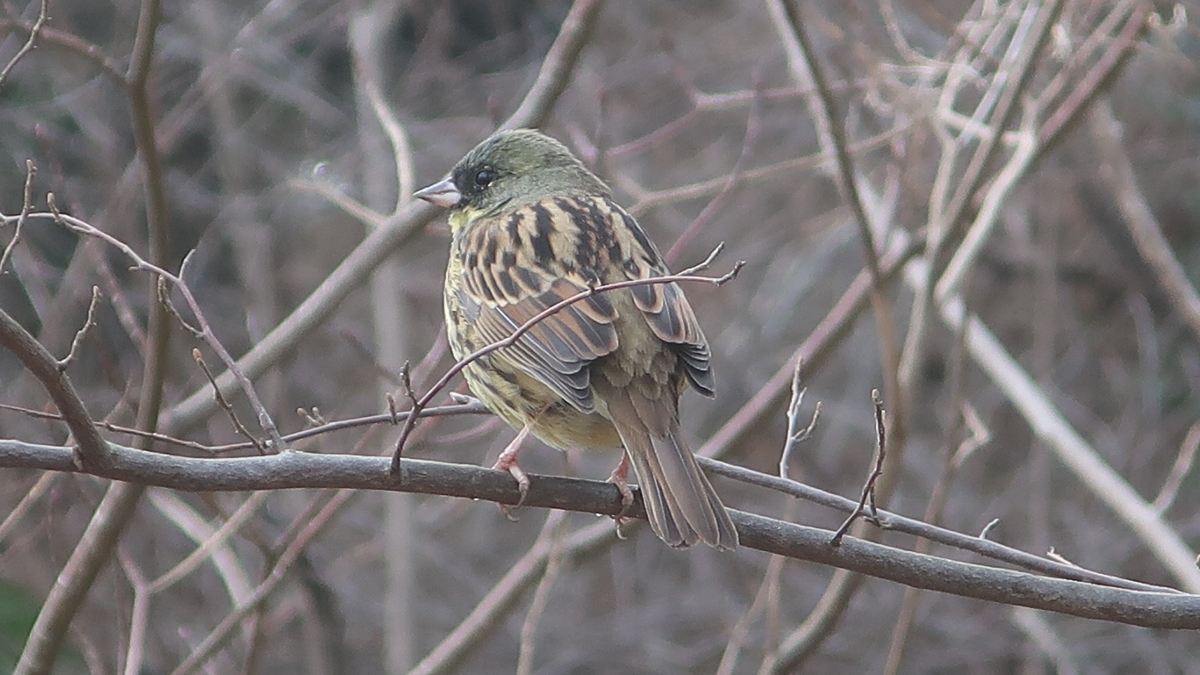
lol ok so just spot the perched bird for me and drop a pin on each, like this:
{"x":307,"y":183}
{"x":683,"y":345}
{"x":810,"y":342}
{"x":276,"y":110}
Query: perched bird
{"x":532,"y":226}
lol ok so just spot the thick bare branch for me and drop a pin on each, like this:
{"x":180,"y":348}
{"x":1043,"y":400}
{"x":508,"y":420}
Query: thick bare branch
{"x":298,"y":469}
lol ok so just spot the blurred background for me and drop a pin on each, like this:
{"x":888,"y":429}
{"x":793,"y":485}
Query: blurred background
{"x":275,"y":166}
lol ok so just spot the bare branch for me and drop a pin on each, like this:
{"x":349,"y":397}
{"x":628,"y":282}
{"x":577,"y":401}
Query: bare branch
{"x":92,"y":451}
{"x":69,"y":42}
{"x":88,"y":323}
{"x":796,"y":434}
{"x":1143,"y":227}
{"x":26,"y":207}
{"x":1048,"y":423}
{"x":1179,"y":470}
{"x":298,"y":469}
{"x":318,"y":426}
{"x":552,"y":532}
{"x":556,"y":68}
{"x":867,"y":500}
{"x":237,"y":423}
{"x":203,"y":330}
{"x":34,"y":32}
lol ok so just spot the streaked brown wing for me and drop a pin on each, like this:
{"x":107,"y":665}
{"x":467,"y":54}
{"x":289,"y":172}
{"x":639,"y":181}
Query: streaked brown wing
{"x":666,"y":308}
{"x":517,"y":266}
{"x":506,"y":284}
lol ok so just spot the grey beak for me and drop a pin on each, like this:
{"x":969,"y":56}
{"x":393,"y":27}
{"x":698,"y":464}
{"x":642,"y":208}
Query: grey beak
{"x":443,"y":194}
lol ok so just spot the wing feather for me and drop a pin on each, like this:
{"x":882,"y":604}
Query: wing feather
{"x":506,"y":288}
{"x":665,"y":307}
{"x":571,"y":246}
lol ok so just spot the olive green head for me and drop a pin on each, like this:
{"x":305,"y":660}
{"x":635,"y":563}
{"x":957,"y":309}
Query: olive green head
{"x":509,"y":169}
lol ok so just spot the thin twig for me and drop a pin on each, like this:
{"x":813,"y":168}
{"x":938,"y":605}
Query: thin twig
{"x":34,"y":32}
{"x":91,"y":452}
{"x":1048,"y":423}
{"x":139,"y":614}
{"x":1042,"y":633}
{"x":212,"y":542}
{"x":487,"y":613}
{"x":237,"y":423}
{"x":867,"y":500}
{"x":714,"y":206}
{"x":952,"y":459}
{"x":395,"y":133}
{"x":70,"y":42}
{"x":796,"y":434}
{"x":318,"y":426}
{"x":164,"y":297}
{"x":807,"y":70}
{"x":1092,"y":84}
{"x":948,"y":206}
{"x":647,"y":199}
{"x":560,"y":60}
{"x":26,"y":504}
{"x":312,"y":418}
{"x":1144,"y":229}
{"x":350,"y":206}
{"x":26,"y":208}
{"x":766,"y":601}
{"x":894,"y":522}
{"x":219,"y":635}
{"x":88,"y":323}
{"x":116,"y":509}
{"x":987,"y":529}
{"x":203,"y":330}
{"x":1179,"y":470}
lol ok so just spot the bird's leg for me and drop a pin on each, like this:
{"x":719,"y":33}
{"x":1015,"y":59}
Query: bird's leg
{"x":508,"y":462}
{"x":620,"y":478}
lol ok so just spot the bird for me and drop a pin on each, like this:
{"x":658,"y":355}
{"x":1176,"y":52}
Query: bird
{"x":532,"y":226}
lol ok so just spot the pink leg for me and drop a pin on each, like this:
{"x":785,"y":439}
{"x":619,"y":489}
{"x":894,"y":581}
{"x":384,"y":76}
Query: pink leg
{"x":620,"y":478}
{"x":508,"y":462}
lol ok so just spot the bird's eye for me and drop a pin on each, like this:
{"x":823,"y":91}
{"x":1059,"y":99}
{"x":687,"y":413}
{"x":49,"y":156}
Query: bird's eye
{"x":484,"y":177}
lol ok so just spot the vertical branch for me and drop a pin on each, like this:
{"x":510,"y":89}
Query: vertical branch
{"x":392,"y":312}
{"x":96,"y":545}
{"x":157,"y":229}
{"x":19,"y":221}
{"x":805,"y":70}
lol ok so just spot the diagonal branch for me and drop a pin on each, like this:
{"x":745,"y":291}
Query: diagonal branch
{"x":92,"y":449}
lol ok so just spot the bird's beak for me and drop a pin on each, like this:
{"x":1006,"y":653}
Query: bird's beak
{"x":442,"y":194}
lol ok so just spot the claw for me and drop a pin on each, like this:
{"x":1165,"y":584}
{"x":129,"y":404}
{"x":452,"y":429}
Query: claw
{"x":620,"y":478}
{"x":508,"y":462}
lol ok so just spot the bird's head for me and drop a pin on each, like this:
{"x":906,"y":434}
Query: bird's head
{"x":507,"y":170}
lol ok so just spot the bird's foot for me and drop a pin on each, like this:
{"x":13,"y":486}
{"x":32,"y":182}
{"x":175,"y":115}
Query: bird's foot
{"x":508,"y":462}
{"x":620,"y":478}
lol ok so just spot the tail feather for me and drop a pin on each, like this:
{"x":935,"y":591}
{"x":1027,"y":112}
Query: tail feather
{"x":681,"y":504}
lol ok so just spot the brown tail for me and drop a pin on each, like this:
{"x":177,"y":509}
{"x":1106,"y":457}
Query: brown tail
{"x":682,"y":506}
